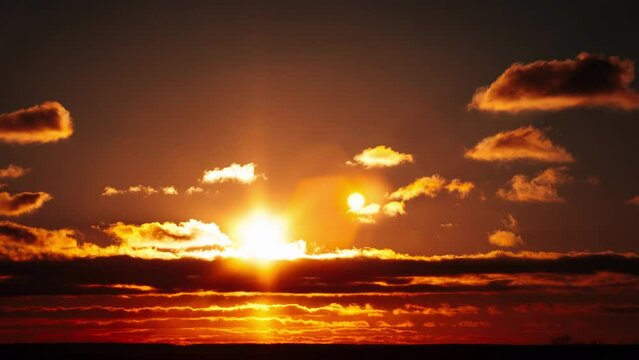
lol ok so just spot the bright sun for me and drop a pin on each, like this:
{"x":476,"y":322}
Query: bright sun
{"x":264,"y":236}
{"x":356,"y":201}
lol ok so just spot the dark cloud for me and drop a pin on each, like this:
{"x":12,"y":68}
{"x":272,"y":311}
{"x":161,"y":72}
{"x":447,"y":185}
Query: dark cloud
{"x":588,"y":80}
{"x":351,"y":275}
{"x":21,"y":203}
{"x":47,"y":122}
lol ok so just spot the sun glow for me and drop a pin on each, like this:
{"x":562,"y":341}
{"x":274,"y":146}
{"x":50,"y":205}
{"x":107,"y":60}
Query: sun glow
{"x":264,"y":236}
{"x":356,"y":201}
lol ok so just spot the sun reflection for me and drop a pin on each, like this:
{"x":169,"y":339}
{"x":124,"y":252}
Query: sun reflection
{"x":264,"y":236}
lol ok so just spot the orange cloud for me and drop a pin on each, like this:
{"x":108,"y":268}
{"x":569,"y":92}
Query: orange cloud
{"x":12,"y":172}
{"x":366,"y":213}
{"x":244,"y":174}
{"x":21,"y":203}
{"x":194,"y":190}
{"x":47,"y":122}
{"x":380,"y":156}
{"x":541,"y":188}
{"x":443,"y":309}
{"x":586,"y":81}
{"x":428,"y":186}
{"x":524,"y":143}
{"x":394,"y":208}
{"x":140,"y":189}
{"x":21,"y":242}
{"x":462,"y":188}
{"x":170,"y":240}
{"x":505,"y":238}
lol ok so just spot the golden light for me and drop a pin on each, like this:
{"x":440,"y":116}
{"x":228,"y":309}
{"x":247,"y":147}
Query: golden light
{"x":264,"y":236}
{"x":356,"y":201}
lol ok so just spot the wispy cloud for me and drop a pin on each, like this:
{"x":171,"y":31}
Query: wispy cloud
{"x":524,"y":143}
{"x":140,"y":189}
{"x":541,"y":188}
{"x":12,"y":172}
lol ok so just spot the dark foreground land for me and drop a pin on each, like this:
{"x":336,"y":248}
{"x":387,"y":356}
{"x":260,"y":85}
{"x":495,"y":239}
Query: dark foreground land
{"x":309,"y":352}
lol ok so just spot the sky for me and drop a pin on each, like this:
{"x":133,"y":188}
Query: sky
{"x":319,"y":171}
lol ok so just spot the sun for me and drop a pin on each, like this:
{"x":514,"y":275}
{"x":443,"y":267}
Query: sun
{"x":264,"y":236}
{"x":356,"y":201}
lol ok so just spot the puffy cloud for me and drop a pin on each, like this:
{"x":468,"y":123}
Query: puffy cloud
{"x":380,"y":156}
{"x":47,"y":122}
{"x":508,"y":237}
{"x":586,"y":81}
{"x":244,"y":174}
{"x":505,"y":238}
{"x":169,"y":190}
{"x":12,"y":172}
{"x":394,"y":208}
{"x":634,"y":200}
{"x":524,"y":143}
{"x":541,"y":188}
{"x":428,"y":186}
{"x":139,"y":189}
{"x":171,"y":240}
{"x":21,"y":203}
{"x":462,"y":188}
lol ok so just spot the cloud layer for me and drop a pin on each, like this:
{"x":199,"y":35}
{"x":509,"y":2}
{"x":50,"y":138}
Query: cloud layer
{"x":22,"y":203}
{"x":379,"y":157}
{"x":524,"y":143}
{"x":586,"y":81}
{"x":47,"y":122}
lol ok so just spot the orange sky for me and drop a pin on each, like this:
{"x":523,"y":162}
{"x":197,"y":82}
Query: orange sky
{"x":352,"y":172}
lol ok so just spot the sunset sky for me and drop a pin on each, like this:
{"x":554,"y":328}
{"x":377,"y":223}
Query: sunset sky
{"x":319,"y":171}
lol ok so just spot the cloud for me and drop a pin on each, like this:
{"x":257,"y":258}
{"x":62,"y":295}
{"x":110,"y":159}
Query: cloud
{"x":428,"y":186}
{"x":244,"y":174}
{"x":379,"y":157}
{"x":586,"y":81}
{"x":194,"y":190}
{"x":524,"y":143}
{"x":140,"y":189}
{"x":47,"y":122}
{"x":508,"y":237}
{"x":21,"y":203}
{"x":170,"y":239}
{"x":511,"y":272}
{"x":634,"y":200}
{"x":462,"y":188}
{"x":366,"y":214}
{"x":505,"y":238}
{"x":541,"y":188}
{"x":394,"y":208}
{"x":21,"y":242}
{"x":12,"y":172}
{"x":169,"y":190}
